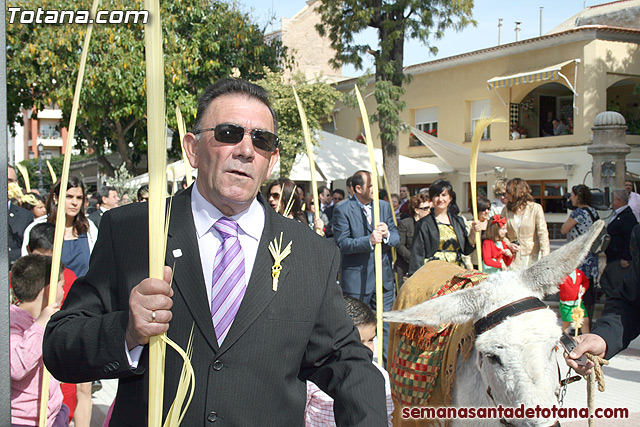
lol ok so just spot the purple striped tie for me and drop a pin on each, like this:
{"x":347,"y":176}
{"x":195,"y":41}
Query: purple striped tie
{"x":228,"y":284}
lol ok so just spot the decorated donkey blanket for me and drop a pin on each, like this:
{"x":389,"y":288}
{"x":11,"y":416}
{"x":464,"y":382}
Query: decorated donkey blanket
{"x":422,"y":360}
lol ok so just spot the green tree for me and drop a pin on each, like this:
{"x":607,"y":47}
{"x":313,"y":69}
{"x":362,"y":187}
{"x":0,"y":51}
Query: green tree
{"x":318,"y":100}
{"x":203,"y":41}
{"x":394,"y":22}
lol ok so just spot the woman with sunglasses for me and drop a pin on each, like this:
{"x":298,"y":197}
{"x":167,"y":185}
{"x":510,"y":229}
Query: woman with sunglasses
{"x":442,"y":234}
{"x":281,"y":194}
{"x":419,"y":207}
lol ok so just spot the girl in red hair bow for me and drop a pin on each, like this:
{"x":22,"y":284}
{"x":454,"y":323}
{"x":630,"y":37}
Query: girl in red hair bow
{"x":496,"y":255}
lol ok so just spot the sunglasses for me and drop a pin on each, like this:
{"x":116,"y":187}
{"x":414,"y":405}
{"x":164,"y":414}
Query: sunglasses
{"x":232,"y":134}
{"x":501,"y":194}
{"x":425,"y":208}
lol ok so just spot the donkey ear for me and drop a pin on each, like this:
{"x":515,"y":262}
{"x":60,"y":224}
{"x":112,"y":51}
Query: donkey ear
{"x":544,"y":276}
{"x":457,"y":307}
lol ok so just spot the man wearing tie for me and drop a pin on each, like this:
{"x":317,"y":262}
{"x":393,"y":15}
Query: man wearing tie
{"x":356,"y":236}
{"x":256,"y":341}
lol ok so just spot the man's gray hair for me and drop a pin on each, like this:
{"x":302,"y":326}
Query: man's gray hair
{"x":621,"y":194}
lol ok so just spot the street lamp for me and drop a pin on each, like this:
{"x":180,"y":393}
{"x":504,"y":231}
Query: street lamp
{"x":40,"y":166}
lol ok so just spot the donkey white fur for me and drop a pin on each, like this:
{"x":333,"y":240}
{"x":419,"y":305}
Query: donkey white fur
{"x":515,"y":359}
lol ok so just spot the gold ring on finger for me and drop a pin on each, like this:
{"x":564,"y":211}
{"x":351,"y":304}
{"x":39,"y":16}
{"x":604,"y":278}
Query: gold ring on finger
{"x":153,"y":315}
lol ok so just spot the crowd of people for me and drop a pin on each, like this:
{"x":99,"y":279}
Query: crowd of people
{"x":258,"y":336}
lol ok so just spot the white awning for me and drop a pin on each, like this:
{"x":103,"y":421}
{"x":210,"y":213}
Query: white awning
{"x":339,"y":158}
{"x":458,"y":158}
{"x":175,"y":173}
{"x":551,"y":72}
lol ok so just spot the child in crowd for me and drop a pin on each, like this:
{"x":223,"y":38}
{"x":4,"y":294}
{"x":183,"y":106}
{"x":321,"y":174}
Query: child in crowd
{"x":319,"y":410}
{"x":496,"y":256}
{"x":30,"y":278}
{"x":572,"y":289}
{"x":41,"y":243}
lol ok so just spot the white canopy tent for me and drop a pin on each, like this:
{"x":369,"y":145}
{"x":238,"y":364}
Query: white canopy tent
{"x":458,"y":158}
{"x":175,"y":172}
{"x":338,"y":158}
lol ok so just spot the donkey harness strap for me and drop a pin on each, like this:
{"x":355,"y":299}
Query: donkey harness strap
{"x":515,"y":308}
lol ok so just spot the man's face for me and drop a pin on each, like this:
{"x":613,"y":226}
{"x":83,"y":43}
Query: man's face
{"x":365,"y":192}
{"x":628,"y":185}
{"x":325,"y":196}
{"x":230,"y":175}
{"x":404,"y":192}
{"x":337,"y":198}
{"x":616,"y":203}
{"x":111,"y":201}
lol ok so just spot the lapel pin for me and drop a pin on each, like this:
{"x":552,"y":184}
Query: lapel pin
{"x":177,"y":253}
{"x":278,"y":255}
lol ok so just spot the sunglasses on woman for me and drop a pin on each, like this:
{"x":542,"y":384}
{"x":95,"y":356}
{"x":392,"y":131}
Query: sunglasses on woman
{"x":228,"y":133}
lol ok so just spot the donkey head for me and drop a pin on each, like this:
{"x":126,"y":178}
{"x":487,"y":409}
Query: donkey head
{"x":515,"y":358}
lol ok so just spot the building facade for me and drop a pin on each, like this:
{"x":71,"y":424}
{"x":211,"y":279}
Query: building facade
{"x":568,"y":76}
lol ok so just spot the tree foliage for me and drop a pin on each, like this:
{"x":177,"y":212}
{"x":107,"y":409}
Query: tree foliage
{"x":318,"y":100}
{"x":203,"y":41}
{"x":394,"y":22}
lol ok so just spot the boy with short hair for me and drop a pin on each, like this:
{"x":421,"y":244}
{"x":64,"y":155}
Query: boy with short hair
{"x":319,"y":409}
{"x":30,"y":277}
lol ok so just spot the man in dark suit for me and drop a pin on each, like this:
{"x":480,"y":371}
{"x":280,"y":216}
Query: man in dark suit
{"x":252,"y":373}
{"x":19,"y":219}
{"x":108,"y":200}
{"x":619,"y":228}
{"x":620,"y":321}
{"x":356,"y":236}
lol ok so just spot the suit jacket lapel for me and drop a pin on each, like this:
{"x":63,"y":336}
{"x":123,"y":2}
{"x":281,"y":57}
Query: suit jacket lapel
{"x":183,"y":256}
{"x":260,"y":286}
{"x":358,"y":212}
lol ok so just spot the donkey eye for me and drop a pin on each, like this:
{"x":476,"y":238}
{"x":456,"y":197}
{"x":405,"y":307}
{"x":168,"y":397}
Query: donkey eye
{"x":495,"y":359}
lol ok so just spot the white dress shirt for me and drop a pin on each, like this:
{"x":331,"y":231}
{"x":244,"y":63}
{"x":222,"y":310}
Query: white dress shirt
{"x":250,"y":222}
{"x":250,"y":227}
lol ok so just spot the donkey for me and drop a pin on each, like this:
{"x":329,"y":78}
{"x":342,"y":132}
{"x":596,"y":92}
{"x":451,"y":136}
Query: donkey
{"x":513,"y":361}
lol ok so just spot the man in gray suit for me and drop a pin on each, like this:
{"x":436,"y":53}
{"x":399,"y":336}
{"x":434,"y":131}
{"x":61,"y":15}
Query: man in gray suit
{"x":253,"y":372}
{"x":356,"y":236}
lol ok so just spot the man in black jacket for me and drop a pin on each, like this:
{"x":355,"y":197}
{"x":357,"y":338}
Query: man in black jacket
{"x":619,"y":228}
{"x":250,"y":370}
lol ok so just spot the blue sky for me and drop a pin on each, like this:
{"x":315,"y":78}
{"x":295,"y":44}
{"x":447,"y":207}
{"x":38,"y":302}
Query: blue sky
{"x":485,"y":34}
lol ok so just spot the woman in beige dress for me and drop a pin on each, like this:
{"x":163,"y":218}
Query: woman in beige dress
{"x":526,"y":225}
